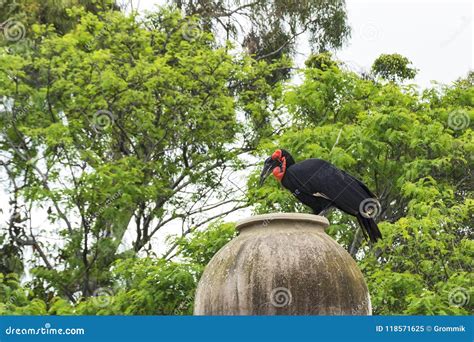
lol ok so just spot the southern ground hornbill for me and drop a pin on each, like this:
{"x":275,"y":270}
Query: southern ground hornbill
{"x":320,"y":185}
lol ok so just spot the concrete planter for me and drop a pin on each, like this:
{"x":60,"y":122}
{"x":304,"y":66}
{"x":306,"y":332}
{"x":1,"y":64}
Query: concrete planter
{"x":282,"y":264}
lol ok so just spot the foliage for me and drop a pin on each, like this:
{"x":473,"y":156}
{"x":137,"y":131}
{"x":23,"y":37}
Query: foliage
{"x":274,"y":25}
{"x":52,"y":12}
{"x":321,"y":61}
{"x":140,"y":286}
{"x":16,"y":299}
{"x":201,"y":246}
{"x":393,"y":67}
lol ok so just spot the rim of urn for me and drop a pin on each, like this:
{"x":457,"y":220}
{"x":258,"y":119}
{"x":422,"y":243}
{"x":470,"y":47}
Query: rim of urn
{"x":266,"y":219}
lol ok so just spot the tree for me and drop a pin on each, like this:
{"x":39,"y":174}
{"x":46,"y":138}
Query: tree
{"x":117,"y":126}
{"x":269,"y":29}
{"x":321,"y":61}
{"x":393,"y":67}
{"x":21,"y":15}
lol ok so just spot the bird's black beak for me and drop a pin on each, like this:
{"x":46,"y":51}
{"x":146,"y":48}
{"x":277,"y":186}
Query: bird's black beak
{"x":268,"y":167}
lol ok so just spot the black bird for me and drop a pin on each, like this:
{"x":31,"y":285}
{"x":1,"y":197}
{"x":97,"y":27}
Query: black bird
{"x":320,"y":185}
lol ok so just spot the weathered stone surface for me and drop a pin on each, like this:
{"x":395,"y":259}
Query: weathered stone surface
{"x":282,"y":264}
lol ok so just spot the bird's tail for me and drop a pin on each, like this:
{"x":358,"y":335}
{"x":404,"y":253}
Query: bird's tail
{"x":369,"y":227}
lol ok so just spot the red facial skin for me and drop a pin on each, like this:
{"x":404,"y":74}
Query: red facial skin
{"x":276,"y":155}
{"x":279,"y":172}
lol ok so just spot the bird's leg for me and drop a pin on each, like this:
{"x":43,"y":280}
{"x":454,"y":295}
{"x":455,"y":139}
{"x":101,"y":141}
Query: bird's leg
{"x":322,"y":212}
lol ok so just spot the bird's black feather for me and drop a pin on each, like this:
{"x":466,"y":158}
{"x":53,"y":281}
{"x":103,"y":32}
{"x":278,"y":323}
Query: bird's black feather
{"x":320,"y":185}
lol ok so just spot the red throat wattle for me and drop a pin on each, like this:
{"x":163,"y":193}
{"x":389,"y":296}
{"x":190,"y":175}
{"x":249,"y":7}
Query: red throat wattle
{"x":279,"y":172}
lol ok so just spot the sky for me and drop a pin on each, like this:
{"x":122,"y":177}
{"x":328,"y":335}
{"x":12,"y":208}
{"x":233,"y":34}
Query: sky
{"x":437,"y":36}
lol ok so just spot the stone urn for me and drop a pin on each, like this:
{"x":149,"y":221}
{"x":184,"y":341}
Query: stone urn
{"x":282,"y":264}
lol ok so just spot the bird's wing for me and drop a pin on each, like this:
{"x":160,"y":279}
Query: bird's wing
{"x":343,"y":190}
{"x":360,"y":183}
